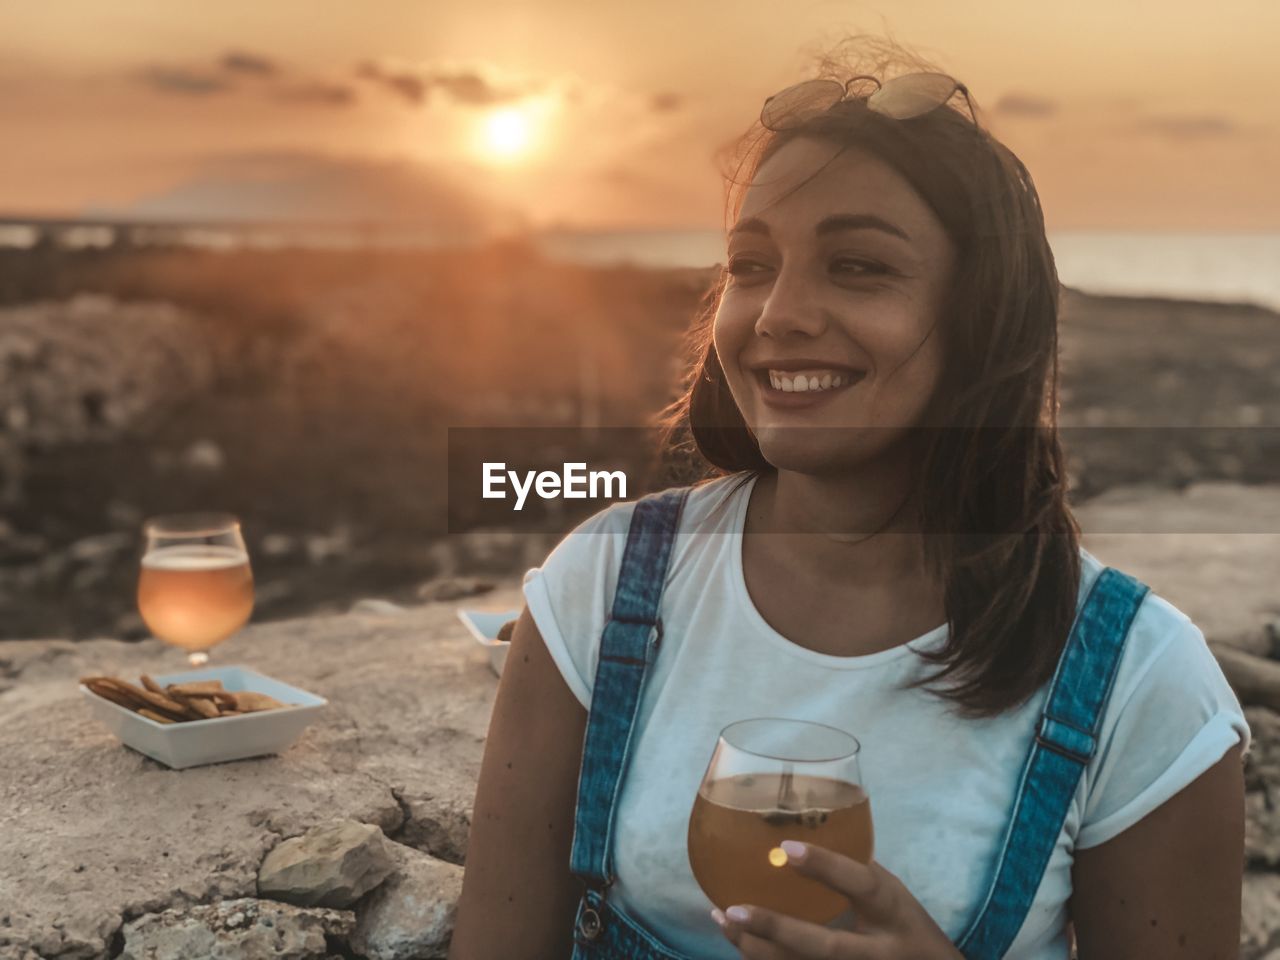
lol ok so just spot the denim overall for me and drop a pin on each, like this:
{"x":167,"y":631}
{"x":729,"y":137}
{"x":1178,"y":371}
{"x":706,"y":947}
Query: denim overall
{"x":1065,"y":740}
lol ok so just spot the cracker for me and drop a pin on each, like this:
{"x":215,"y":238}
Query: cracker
{"x":205,"y":708}
{"x":250,"y":701}
{"x":196,"y":688}
{"x":109,"y":692}
{"x":152,"y":715}
{"x":151,"y":684}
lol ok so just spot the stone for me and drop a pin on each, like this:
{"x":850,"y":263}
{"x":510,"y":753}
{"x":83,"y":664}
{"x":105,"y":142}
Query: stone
{"x":331,"y":865}
{"x":244,"y":929}
{"x":452,"y":588}
{"x":1262,"y":786}
{"x":321,"y":546}
{"x":204,"y":456}
{"x":278,"y":545}
{"x":374,"y":607}
{"x":101,"y":547}
{"x":411,"y":916}
{"x":1259,"y":914}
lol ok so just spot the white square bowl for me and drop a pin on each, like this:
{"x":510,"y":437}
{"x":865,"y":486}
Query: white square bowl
{"x":192,"y":743}
{"x":484,"y":626}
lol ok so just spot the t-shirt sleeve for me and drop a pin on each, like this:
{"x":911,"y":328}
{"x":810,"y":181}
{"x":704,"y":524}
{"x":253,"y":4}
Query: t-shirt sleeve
{"x":1171,"y":716}
{"x":570,"y":595}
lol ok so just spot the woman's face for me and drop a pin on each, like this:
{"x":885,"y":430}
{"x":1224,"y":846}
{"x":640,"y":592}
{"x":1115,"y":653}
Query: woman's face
{"x":828,"y":317}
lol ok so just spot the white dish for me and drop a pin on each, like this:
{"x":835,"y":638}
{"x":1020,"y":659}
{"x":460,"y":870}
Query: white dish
{"x":192,"y":743}
{"x":484,"y":626}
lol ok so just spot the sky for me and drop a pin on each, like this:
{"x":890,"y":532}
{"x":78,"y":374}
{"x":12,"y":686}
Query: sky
{"x":603,"y":114}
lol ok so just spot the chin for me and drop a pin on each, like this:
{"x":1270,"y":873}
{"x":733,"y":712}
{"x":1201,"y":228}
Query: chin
{"x":821,"y":450}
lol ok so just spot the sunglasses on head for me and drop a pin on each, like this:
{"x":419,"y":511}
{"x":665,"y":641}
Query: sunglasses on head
{"x":903,"y":97}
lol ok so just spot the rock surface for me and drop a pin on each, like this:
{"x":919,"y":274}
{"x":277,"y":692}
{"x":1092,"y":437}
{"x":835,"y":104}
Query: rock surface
{"x":236,"y":930}
{"x":331,"y":865}
{"x":410,"y":917}
{"x":108,"y":835}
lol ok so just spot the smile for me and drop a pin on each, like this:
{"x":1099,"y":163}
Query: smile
{"x":804,"y":388}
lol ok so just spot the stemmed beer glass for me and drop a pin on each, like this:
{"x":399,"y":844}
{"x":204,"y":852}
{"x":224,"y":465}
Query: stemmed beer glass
{"x":195,"y":588}
{"x":772,"y":779}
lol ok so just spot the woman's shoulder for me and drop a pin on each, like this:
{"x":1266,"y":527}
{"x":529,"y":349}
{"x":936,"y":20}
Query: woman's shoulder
{"x":1170,"y":714}
{"x":1159,"y":628}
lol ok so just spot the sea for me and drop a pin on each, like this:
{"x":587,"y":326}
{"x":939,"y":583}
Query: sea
{"x":1241,"y":267}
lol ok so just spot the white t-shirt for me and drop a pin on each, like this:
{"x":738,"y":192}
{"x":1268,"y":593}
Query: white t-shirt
{"x":941,"y":791}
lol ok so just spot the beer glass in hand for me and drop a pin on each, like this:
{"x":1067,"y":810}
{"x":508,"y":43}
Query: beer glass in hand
{"x":195,"y":589}
{"x":770,"y":780}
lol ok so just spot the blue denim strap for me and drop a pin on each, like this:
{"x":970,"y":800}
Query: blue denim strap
{"x":627,"y":647}
{"x":1066,"y":739}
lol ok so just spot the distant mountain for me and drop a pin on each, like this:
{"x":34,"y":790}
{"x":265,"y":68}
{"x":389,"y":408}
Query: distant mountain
{"x":307,"y":188}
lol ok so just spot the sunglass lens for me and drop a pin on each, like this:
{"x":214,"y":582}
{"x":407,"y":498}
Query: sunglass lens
{"x":912,"y":95}
{"x":798,"y":103}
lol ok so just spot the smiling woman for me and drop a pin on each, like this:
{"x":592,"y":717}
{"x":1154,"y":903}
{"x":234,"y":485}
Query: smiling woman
{"x":883,"y":545}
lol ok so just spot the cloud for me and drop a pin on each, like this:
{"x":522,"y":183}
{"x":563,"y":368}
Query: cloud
{"x":197,"y":81}
{"x":666,"y":102}
{"x":183,"y":81}
{"x":403,"y":83}
{"x":416,"y":84}
{"x":311,"y":188}
{"x":320,"y":93}
{"x":238,"y":61}
{"x":1025,"y":105}
{"x":1188,"y":126}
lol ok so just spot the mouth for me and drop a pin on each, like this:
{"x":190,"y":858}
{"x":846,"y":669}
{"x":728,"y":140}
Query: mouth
{"x":807,"y":387}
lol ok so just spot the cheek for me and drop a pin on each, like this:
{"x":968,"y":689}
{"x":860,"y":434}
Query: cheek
{"x":731,"y":332}
{"x":911,"y":377}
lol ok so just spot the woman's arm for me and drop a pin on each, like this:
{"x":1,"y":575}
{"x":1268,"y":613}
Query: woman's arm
{"x":518,"y":896}
{"x":1168,"y":886}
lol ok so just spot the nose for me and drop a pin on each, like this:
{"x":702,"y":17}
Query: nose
{"x":791,"y":307}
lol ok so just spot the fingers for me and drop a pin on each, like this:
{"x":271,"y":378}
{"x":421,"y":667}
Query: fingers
{"x":768,"y":935}
{"x":863,"y":883}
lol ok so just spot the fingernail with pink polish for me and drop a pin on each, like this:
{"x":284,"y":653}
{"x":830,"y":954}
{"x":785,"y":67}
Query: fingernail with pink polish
{"x":717,"y":916}
{"x":794,"y":849}
{"x":740,"y":914}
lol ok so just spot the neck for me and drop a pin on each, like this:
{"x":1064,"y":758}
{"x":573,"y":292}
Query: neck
{"x":857,"y":526}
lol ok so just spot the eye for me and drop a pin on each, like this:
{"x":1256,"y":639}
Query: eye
{"x":862,"y":266}
{"x":739,"y":265}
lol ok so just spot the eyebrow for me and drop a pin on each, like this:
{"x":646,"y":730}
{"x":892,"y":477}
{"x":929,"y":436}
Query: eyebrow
{"x":832,"y":224}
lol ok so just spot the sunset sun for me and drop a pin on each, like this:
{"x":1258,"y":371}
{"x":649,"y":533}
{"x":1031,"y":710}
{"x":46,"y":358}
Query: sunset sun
{"x":507,"y":134}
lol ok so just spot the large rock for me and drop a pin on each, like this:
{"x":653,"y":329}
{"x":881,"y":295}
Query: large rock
{"x":1210,"y":550}
{"x":1262,"y":783}
{"x":90,"y":368}
{"x":108,"y":834}
{"x":332,"y":865}
{"x":410,"y":917}
{"x":1260,"y":916}
{"x":236,"y":930}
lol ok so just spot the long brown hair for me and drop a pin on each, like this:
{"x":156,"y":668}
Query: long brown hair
{"x":991,"y":481}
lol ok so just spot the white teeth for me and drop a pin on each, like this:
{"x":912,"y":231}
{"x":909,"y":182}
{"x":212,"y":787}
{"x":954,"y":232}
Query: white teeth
{"x":806,"y":383}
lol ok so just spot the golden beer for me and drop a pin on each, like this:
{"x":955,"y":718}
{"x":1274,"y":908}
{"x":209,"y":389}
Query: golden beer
{"x":196,"y":595}
{"x":738,"y":824}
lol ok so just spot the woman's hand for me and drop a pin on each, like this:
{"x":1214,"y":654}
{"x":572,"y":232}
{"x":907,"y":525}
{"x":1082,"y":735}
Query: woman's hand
{"x":891,"y":923}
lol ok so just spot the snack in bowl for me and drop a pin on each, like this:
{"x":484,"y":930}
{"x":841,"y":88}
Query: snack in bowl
{"x":207,"y":715}
{"x":178,"y":702}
